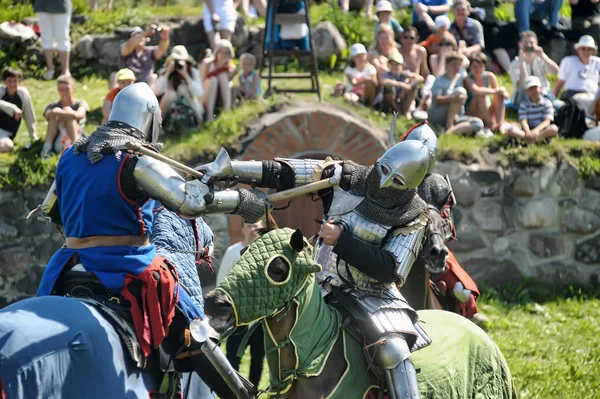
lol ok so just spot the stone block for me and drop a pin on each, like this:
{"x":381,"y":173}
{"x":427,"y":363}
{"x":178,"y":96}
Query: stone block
{"x":328,"y":41}
{"x":29,"y":282}
{"x":501,"y":246}
{"x":582,"y":221}
{"x":7,"y":232}
{"x":526,"y":185}
{"x":542,"y":212}
{"x":488,"y":214}
{"x":107,"y":49}
{"x":593,"y":183}
{"x":85,"y":48}
{"x":492,"y":271}
{"x":467,"y":242}
{"x":546,"y":174}
{"x":567,"y":179}
{"x":13,"y":261}
{"x":547,"y":244}
{"x":486,"y":177}
{"x":454,"y":169}
{"x":241,"y":34}
{"x":558,"y":273}
{"x":588,"y":250}
{"x":466,"y":191}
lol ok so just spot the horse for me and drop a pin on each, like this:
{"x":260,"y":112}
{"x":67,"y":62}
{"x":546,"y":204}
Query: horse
{"x":64,"y":347}
{"x":310,"y":353}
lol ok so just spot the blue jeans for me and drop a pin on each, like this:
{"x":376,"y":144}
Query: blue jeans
{"x":526,"y":9}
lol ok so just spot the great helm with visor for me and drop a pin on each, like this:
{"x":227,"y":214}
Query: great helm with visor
{"x":403,"y":166}
{"x":137,"y":106}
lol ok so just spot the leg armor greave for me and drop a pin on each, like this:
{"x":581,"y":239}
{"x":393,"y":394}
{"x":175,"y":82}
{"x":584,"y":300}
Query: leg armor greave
{"x":398,"y":369}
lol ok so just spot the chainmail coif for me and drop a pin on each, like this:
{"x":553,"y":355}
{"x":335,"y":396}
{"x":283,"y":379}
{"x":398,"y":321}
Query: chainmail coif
{"x":386,"y":206}
{"x":110,"y":138}
{"x":435,"y":190}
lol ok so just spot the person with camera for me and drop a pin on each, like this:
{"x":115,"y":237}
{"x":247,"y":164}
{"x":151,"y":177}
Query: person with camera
{"x":138,"y":57}
{"x":532,"y":61}
{"x":179,"y":89}
{"x":219,"y":20}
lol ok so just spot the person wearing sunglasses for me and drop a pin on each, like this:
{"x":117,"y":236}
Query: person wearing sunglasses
{"x":415,"y":55}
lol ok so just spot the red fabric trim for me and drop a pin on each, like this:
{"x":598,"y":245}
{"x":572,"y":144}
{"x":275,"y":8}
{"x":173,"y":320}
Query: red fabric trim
{"x":156,"y":210}
{"x":217,"y":71}
{"x":141,"y":220}
{"x":2,"y":392}
{"x":416,"y":125}
{"x":119,"y":182}
{"x":453,"y":275}
{"x":154,"y":310}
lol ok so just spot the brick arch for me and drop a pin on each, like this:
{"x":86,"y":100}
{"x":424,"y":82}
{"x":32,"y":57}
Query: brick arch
{"x":309,"y":131}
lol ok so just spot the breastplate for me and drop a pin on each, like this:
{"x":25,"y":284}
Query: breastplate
{"x":338,"y":270}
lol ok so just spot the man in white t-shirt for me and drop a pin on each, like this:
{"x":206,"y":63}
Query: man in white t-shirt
{"x":256,"y":341}
{"x":578,"y":74}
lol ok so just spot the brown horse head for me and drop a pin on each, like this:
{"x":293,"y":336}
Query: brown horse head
{"x":434,"y":250}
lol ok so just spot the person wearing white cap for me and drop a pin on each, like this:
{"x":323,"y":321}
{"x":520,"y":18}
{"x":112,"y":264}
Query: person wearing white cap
{"x":578,"y":74}
{"x":362,"y":77}
{"x":536,"y":114}
{"x":431,"y":43}
{"x":425,"y":11}
{"x":384,"y":12}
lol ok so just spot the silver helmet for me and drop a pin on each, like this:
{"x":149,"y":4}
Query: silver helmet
{"x":404,"y":165}
{"x":137,"y":106}
{"x":427,"y":136}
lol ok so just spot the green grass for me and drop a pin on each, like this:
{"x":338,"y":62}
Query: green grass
{"x":550,"y":338}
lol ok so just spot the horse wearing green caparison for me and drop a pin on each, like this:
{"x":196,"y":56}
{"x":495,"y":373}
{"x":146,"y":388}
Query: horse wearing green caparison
{"x":309,"y":352}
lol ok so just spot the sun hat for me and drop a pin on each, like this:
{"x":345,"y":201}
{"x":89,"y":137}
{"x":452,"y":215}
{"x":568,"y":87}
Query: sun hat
{"x":396,"y":57}
{"x":586,"y":41}
{"x":135,"y":31}
{"x":531,"y":81}
{"x":383,"y":6}
{"x":125,"y":74}
{"x":224,"y":44}
{"x":180,"y":53}
{"x":357,"y":48}
{"x":442,"y":21}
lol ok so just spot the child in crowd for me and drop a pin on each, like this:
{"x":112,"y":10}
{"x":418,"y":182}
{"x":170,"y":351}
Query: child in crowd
{"x":399,"y":86}
{"x":384,"y":13}
{"x":432,"y":43}
{"x":15,"y":106}
{"x":536,"y":114}
{"x":249,"y":88}
{"x":480,"y":85}
{"x":125,"y":77}
{"x":362,"y":77}
{"x":449,"y":97}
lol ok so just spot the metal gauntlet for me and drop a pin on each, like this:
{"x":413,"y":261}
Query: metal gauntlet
{"x":305,"y":170}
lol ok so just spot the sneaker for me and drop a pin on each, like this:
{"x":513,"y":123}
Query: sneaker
{"x":485,"y":133}
{"x":46,"y":151}
{"x":419,"y":114}
{"x":49,"y":75}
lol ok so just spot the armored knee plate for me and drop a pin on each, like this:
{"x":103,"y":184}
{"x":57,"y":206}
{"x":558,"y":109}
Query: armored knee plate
{"x":401,"y":376}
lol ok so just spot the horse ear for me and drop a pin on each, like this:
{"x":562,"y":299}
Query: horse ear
{"x":297,"y":241}
{"x":271,"y":223}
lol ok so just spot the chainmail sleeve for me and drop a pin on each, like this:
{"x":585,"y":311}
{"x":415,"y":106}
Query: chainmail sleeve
{"x":251,"y":205}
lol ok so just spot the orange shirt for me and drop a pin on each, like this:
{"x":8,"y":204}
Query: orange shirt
{"x":110,"y":96}
{"x":432,"y":40}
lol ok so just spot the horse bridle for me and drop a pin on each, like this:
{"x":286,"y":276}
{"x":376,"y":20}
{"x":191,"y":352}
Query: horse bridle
{"x":445,"y":234}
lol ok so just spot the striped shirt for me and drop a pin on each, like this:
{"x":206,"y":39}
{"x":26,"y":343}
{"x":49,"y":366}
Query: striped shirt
{"x":536,"y":113}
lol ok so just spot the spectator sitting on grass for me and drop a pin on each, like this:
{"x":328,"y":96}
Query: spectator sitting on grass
{"x":382,"y":48}
{"x":432,"y":42}
{"x":125,"y":77}
{"x":249,"y":88}
{"x":480,"y":85}
{"x":66,"y":118}
{"x":424,"y":13}
{"x":15,"y":105}
{"x":135,"y":55}
{"x":448,"y":46}
{"x":536,"y":115}
{"x":448,"y":100}
{"x":216,"y":73}
{"x":399,"y":86}
{"x":467,"y":30}
{"x":384,"y":12}
{"x":362,"y":77}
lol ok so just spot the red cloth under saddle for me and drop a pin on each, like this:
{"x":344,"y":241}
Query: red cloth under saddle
{"x":153,"y":297}
{"x":2,"y":393}
{"x":453,"y":275}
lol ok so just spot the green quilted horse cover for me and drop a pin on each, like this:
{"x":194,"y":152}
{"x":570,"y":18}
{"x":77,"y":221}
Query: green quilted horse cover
{"x":252,"y":292}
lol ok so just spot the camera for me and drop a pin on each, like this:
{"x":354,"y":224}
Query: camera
{"x":529,"y":49}
{"x":179,"y":64}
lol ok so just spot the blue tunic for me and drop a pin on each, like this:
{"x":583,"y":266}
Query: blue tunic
{"x":92,"y":203}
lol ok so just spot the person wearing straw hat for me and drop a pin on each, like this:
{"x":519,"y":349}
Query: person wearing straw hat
{"x":125,"y":77}
{"x":536,"y":114}
{"x":180,"y":86}
{"x":216,"y":73}
{"x":578,"y":74}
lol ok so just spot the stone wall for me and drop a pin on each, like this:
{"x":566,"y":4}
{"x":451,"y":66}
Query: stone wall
{"x":538,"y":222}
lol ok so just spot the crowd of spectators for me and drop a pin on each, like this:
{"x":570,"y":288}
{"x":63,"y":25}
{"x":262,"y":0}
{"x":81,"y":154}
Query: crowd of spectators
{"x":439,"y":68}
